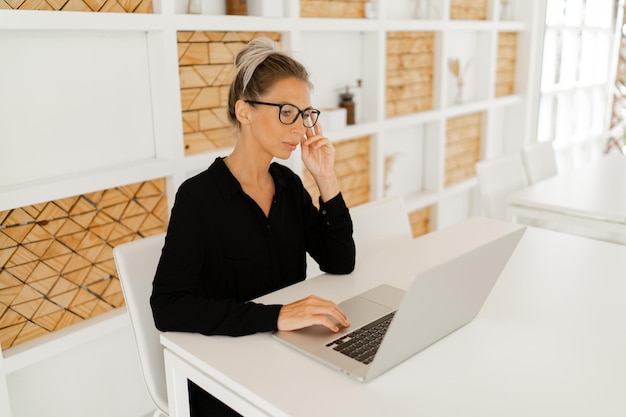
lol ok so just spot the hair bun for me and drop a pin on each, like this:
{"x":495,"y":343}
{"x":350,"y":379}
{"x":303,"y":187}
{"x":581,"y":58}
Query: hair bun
{"x":252,"y":55}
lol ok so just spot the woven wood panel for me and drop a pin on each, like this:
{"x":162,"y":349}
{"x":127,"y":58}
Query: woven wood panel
{"x":463,"y":135}
{"x":333,"y":8}
{"x":420,"y":221}
{"x":505,"y":75}
{"x":352,"y":169}
{"x":56,"y":258}
{"x":468,"y":9}
{"x":409,"y":84}
{"x":206,"y":68}
{"x":111,"y":6}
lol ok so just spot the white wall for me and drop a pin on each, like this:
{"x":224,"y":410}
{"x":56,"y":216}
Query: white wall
{"x":87,"y":370}
{"x":5,"y":409}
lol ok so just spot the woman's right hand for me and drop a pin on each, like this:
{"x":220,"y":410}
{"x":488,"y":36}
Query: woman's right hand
{"x":310,"y":311}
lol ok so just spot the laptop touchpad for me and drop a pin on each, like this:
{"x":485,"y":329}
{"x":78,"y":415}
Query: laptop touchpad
{"x":361,"y":311}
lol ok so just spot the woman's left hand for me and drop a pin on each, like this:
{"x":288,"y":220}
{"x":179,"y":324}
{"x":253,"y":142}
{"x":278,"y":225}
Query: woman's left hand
{"x":318,"y":155}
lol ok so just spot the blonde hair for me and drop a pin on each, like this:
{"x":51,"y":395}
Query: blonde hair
{"x":258,"y":66}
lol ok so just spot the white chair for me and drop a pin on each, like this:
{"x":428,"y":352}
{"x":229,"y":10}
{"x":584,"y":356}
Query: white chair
{"x":539,"y":161}
{"x":498,"y":179}
{"x":136,"y":265}
{"x":377,"y":224}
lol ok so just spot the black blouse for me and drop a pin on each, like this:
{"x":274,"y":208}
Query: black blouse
{"x":222,"y":251}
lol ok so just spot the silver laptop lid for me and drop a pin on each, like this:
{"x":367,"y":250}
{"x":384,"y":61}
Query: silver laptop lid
{"x":443,"y":299}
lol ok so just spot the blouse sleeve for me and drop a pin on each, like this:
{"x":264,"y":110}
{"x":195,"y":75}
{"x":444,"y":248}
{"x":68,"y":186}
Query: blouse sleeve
{"x":329,"y":239}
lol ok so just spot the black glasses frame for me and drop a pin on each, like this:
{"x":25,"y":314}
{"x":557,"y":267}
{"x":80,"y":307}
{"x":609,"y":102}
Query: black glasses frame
{"x":313,"y":112}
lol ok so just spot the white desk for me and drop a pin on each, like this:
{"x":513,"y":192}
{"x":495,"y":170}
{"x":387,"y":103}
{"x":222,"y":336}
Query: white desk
{"x":593,"y":196}
{"x":550,"y":340}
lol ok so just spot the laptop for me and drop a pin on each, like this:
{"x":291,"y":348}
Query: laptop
{"x":389,"y":325}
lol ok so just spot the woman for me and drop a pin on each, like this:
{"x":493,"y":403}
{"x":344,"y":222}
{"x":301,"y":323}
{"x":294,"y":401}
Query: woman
{"x":242,"y":228}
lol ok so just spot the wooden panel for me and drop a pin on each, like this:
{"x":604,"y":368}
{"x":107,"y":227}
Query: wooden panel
{"x":114,"y":6}
{"x":206,"y":69}
{"x":333,"y":8}
{"x":409,"y":84}
{"x":468,"y":9}
{"x":56,"y":258}
{"x":420,"y":221}
{"x":463,"y":135}
{"x":505,"y":71}
{"x":352,"y":168}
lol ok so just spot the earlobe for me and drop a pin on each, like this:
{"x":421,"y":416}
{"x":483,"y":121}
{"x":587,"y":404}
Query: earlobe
{"x":242,"y":112}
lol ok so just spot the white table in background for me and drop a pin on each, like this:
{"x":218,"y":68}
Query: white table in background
{"x":549,"y":341}
{"x":593,"y":196}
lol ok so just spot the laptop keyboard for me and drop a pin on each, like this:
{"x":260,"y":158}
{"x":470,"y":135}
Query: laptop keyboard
{"x":362,"y":344}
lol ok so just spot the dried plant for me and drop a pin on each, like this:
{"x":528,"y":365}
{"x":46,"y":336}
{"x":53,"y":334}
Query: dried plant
{"x":455,"y":67}
{"x":457,"y":70}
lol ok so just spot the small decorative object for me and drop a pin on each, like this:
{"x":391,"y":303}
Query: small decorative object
{"x":390,"y":160}
{"x":505,"y":9}
{"x":265,"y":8}
{"x":421,"y":10}
{"x":455,"y":68}
{"x":237,"y":7}
{"x":424,"y":10}
{"x":347,"y":103}
{"x":211,"y":7}
{"x":370,"y":10}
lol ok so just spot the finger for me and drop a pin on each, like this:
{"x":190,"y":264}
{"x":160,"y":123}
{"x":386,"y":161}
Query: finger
{"x":341,"y":317}
{"x":314,"y":131}
{"x":332,"y":310}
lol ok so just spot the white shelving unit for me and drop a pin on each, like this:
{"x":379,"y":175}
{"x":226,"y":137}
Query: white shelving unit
{"x":135,"y":133}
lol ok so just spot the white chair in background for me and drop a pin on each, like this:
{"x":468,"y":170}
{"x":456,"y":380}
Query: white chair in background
{"x":498,"y":179}
{"x":539,"y":161}
{"x":377,"y":224}
{"x":136,"y":265}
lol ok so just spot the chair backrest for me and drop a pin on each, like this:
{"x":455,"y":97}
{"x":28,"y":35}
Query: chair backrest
{"x":539,"y":161}
{"x":377,"y":224}
{"x":498,"y":178}
{"x":136,"y":265}
{"x":380,"y":223}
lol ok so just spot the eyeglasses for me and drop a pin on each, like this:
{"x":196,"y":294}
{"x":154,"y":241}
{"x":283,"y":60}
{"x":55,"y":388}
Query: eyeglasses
{"x":288,"y":113}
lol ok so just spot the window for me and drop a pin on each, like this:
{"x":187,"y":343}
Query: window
{"x":578,"y":74}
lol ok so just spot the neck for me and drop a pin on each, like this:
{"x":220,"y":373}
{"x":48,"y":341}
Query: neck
{"x":249,"y":169}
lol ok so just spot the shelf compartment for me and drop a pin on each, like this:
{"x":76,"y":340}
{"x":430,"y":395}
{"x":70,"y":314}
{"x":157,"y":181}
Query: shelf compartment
{"x":468,"y":66}
{"x":320,"y":51}
{"x":468,"y":9}
{"x":354,"y":9}
{"x":506,"y":63}
{"x":409,"y":75}
{"x":463,"y":147}
{"x":406,"y":169}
